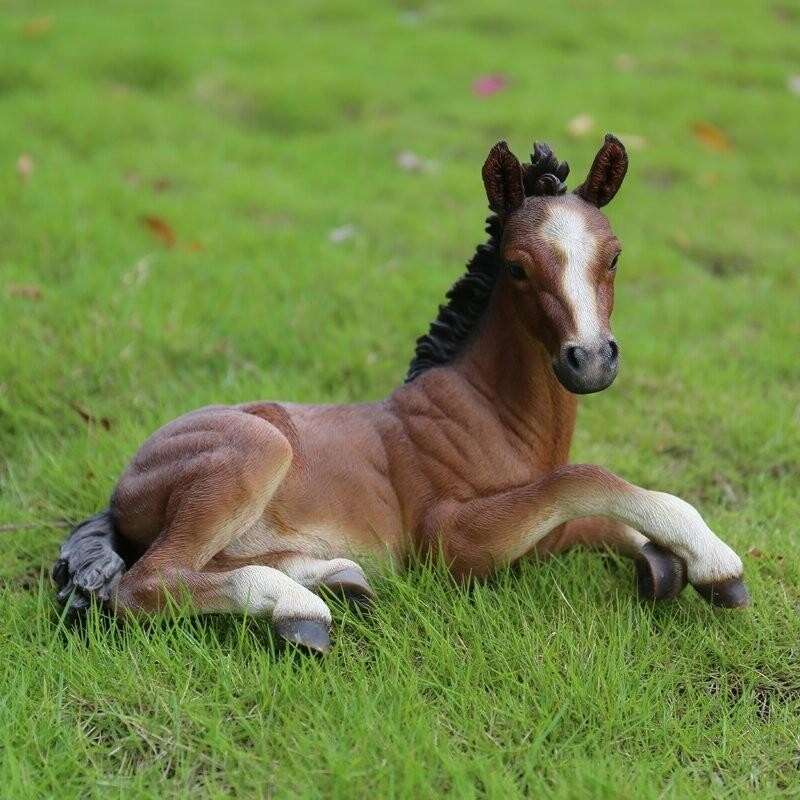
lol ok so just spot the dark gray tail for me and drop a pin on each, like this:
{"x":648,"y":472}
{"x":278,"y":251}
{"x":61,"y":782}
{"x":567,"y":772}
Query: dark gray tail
{"x":89,"y":565}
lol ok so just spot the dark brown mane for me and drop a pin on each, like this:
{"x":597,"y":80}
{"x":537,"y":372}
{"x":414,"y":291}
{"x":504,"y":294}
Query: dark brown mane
{"x":469,"y":296}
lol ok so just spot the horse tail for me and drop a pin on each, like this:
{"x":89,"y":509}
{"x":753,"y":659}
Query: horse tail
{"x":89,"y":565}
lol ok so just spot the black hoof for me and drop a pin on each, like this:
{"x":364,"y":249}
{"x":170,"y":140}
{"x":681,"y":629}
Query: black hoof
{"x":725,"y":594}
{"x":308,"y":634}
{"x":660,"y":575}
{"x":351,"y":585}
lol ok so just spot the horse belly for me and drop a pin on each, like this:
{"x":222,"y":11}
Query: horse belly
{"x":266,"y":540}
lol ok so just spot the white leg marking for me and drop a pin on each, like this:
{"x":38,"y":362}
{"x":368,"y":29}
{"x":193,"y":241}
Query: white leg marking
{"x":264,"y":591}
{"x":565,"y":230}
{"x":665,"y":519}
{"x":676,"y":525}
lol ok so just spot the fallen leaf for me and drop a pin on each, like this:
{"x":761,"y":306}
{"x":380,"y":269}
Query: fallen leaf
{"x":38,"y":26}
{"x":580,"y":126}
{"x":90,"y":419}
{"x":160,"y":229}
{"x":342,"y":233}
{"x":793,"y":82}
{"x":755,"y":552}
{"x":28,"y":291}
{"x":487,"y":85}
{"x":25,"y":166}
{"x":712,"y":136}
{"x":194,"y":247}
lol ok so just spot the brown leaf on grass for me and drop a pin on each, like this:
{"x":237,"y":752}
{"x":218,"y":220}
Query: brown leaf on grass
{"x":25,"y":166}
{"x":194,"y":247}
{"x":90,"y":419}
{"x":712,"y":136}
{"x":755,"y":552}
{"x":26,"y":290}
{"x":160,"y":229}
{"x":38,"y":26}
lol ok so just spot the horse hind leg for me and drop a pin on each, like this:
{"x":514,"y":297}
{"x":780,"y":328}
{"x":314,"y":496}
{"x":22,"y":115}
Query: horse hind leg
{"x":297,"y":614}
{"x":211,"y":496}
{"x":660,"y":574}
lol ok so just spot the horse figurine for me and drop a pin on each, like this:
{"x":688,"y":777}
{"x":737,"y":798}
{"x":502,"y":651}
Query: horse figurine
{"x":253,"y":508}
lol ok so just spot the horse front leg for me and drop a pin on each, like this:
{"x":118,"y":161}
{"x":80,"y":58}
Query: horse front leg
{"x":660,"y":575}
{"x":481,"y":534}
{"x":340,"y":576}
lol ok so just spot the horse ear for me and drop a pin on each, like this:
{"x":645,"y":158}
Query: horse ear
{"x":502,"y":177}
{"x":607,"y":173}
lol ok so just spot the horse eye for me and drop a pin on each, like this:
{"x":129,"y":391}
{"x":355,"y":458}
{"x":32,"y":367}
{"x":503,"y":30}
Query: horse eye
{"x":613,"y":267}
{"x":516,"y":270}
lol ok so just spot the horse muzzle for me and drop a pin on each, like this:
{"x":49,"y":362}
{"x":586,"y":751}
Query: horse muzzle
{"x":586,"y":368}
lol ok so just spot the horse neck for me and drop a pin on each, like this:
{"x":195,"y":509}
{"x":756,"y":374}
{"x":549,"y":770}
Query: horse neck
{"x":505,"y":363}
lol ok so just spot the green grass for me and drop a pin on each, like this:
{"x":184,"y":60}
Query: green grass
{"x":254,"y":131}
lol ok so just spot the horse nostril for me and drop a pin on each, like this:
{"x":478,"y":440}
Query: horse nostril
{"x":576,"y":358}
{"x":612,"y":346}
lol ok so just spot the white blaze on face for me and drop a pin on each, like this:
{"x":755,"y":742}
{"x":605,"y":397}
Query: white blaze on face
{"x":565,"y":230}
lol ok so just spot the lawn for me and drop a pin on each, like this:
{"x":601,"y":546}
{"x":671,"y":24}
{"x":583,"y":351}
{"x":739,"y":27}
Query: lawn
{"x":207,"y":203}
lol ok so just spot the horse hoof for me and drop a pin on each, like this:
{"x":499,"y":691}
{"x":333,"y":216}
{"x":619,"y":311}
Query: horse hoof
{"x":660,"y":575}
{"x":731,"y":593}
{"x":351,"y":585}
{"x":307,"y":634}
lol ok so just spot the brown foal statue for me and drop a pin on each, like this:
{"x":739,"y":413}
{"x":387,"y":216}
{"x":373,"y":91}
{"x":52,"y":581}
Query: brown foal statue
{"x":255,"y":507}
